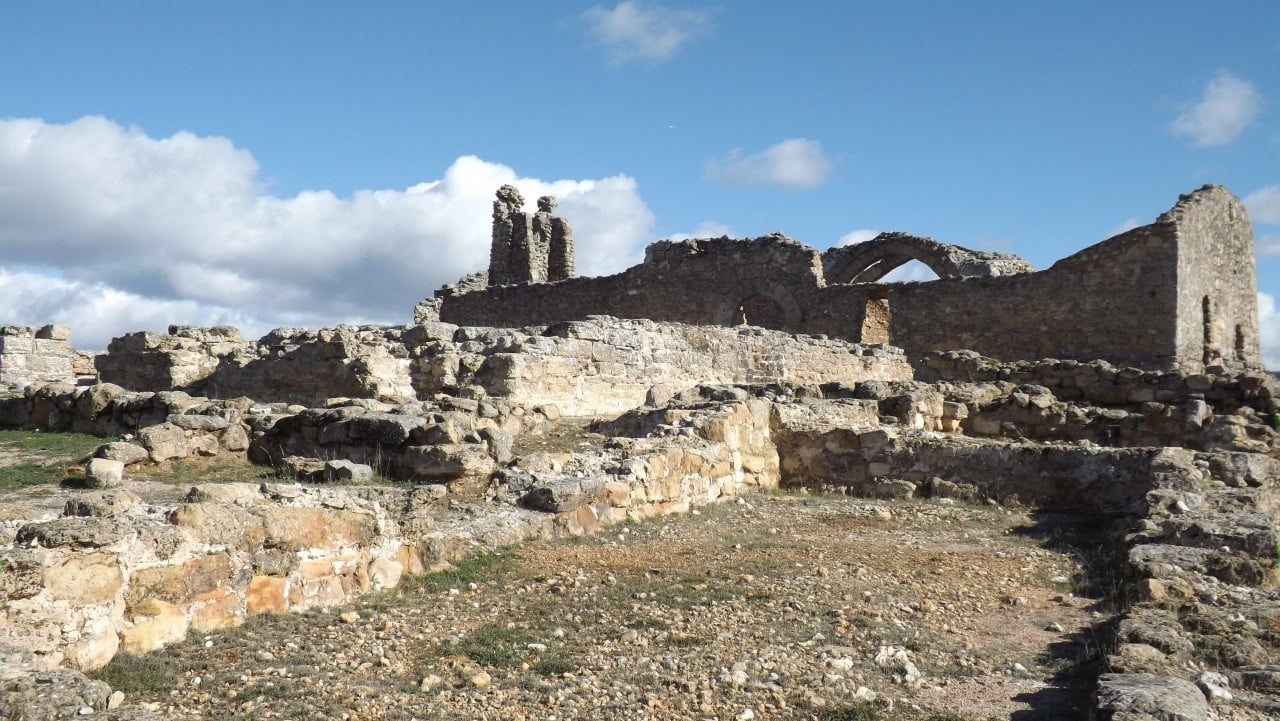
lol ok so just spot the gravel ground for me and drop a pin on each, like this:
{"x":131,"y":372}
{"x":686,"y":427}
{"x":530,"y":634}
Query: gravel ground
{"x":774,"y":607}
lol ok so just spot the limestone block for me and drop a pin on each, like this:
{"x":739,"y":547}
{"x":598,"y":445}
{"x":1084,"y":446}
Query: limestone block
{"x":126,"y":453}
{"x":315,"y":528}
{"x":194,"y":422}
{"x":1145,"y":695}
{"x":218,"y":608}
{"x":203,"y":445}
{"x":85,"y":579}
{"x":164,"y":442}
{"x":101,"y":503}
{"x":73,"y":532}
{"x":449,"y":462}
{"x":241,"y":494}
{"x":162,"y":623}
{"x":384,"y":573}
{"x":97,"y":645}
{"x":267,"y":594}
{"x":221,"y":524}
{"x":179,"y":584}
{"x":346,"y":471}
{"x":103,"y":473}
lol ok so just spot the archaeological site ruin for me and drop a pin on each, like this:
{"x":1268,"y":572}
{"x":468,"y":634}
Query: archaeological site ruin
{"x":1123,"y":382}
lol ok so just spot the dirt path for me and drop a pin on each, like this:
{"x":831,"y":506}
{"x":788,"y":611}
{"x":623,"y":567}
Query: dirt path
{"x":779,"y":606}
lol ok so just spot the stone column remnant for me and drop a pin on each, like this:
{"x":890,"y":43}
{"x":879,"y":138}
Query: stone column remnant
{"x":540,"y":239}
{"x":508,"y":213}
{"x":528,"y":250}
{"x":560,"y":264}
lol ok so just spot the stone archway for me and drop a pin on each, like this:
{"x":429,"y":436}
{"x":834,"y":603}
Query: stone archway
{"x":870,"y":261}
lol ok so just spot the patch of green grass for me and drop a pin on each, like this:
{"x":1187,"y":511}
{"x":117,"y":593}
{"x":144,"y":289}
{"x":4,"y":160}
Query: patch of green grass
{"x":554,"y":665}
{"x":203,"y":470}
{"x":491,"y":645}
{"x":473,"y":570}
{"x":131,"y":673}
{"x":30,"y":474}
{"x":850,"y":712}
{"x":74,"y":445}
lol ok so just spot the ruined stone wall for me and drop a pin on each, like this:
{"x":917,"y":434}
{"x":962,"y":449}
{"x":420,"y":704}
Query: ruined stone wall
{"x":606,"y":366}
{"x":1217,"y":319}
{"x":1115,"y":301}
{"x":30,"y":354}
{"x":1128,"y":300}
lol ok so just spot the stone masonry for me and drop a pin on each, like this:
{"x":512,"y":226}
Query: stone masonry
{"x":1179,"y":293}
{"x":528,"y":250}
{"x":41,"y":355}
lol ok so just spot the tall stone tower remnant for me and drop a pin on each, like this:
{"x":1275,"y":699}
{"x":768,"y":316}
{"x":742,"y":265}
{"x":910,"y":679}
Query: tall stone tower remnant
{"x":528,"y":250}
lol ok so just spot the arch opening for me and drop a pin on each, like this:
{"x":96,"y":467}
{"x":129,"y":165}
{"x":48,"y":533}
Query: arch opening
{"x":763,"y":311}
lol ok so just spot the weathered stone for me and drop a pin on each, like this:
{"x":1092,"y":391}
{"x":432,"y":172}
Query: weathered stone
{"x":346,"y":471}
{"x":164,"y":442}
{"x":101,"y":503}
{"x":85,"y":579}
{"x":221,"y":524}
{"x":73,"y":533}
{"x":103,"y":473}
{"x":1147,"y":695}
{"x":126,"y":453}
{"x":315,"y":528}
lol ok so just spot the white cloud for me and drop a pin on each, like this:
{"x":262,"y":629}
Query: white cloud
{"x":1264,"y":205}
{"x":793,"y":163}
{"x":854,"y":237}
{"x":1227,"y":107}
{"x":1268,"y":245}
{"x":646,"y":32}
{"x":1124,"y":226}
{"x":1269,"y":331}
{"x":111,"y":230}
{"x":705,"y":229}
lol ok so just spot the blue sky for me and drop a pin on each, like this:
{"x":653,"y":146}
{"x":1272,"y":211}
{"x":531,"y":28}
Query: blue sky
{"x":308,"y":163}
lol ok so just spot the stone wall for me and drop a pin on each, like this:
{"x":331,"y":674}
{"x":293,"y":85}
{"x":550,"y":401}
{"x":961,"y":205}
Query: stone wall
{"x":591,"y":367}
{"x":30,"y":354}
{"x":1128,"y":300}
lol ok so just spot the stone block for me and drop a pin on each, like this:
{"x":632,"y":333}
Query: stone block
{"x":267,"y":594}
{"x":162,"y":624}
{"x":103,"y":473}
{"x":126,"y":453}
{"x":315,"y":528}
{"x":85,"y":579}
{"x":164,"y":442}
{"x":179,"y":584}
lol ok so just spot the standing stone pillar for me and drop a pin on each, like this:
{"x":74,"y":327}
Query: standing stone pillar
{"x":508,"y":221}
{"x":560,"y":263}
{"x":540,"y":239}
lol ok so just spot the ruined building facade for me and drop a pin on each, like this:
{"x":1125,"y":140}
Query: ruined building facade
{"x":1179,"y":293}
{"x":525,"y":249}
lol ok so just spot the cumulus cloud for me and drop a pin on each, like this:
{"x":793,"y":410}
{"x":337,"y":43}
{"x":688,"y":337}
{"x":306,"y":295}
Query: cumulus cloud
{"x":1269,"y":331}
{"x":853,"y":237}
{"x":1264,"y":205}
{"x":635,"y":31}
{"x":796,"y":163}
{"x":112,"y":230}
{"x":1227,"y":107}
{"x":705,"y":229}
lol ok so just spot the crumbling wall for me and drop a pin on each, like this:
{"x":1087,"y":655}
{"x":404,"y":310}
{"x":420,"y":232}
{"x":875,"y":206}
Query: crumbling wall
{"x":1130,"y":299}
{"x":1217,"y":317}
{"x":30,"y":354}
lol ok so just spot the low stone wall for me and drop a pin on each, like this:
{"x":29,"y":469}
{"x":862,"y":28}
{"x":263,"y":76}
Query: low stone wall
{"x":116,"y":572}
{"x":32,"y":355}
{"x":606,"y":367}
{"x":600,"y":366}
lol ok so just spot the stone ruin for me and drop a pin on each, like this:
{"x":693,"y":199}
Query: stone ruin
{"x":42,"y":354}
{"x":1176,"y":445}
{"x":1179,"y":293}
{"x":528,"y":250}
